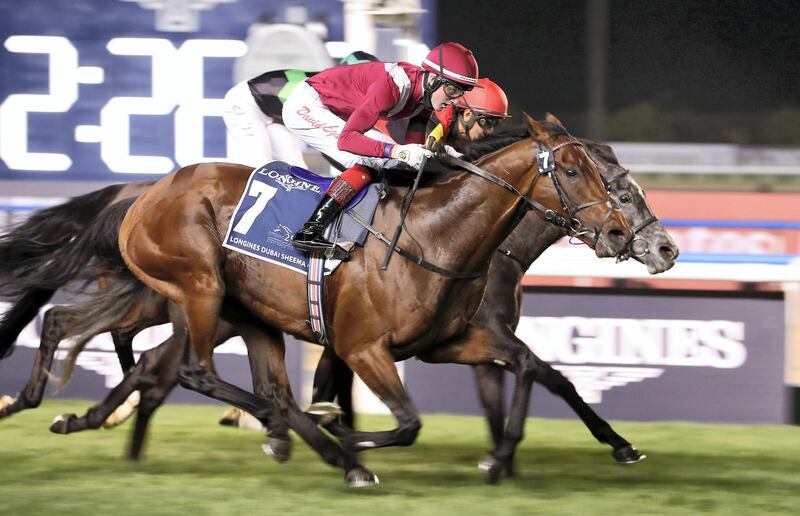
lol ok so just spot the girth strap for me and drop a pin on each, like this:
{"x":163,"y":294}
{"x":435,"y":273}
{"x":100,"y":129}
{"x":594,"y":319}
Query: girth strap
{"x":412,"y":257}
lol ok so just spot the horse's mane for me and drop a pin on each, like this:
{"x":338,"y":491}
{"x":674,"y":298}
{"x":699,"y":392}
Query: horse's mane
{"x":600,"y":151}
{"x":503,"y":136}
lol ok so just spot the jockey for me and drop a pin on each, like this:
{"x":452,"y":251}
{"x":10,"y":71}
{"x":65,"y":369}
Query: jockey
{"x":336,"y":110}
{"x":472,"y":116}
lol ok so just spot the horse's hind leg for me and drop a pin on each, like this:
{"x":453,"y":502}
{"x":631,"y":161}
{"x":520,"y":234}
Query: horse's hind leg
{"x":53,"y":330}
{"x":165,"y":368}
{"x":123,"y":346}
{"x":265,"y":352}
{"x":143,"y":376}
{"x":152,"y":396}
{"x":333,"y":379}
{"x":153,"y":313}
{"x":19,"y":315}
{"x":196,"y":373}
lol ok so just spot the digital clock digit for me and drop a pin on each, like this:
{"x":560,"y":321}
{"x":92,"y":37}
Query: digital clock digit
{"x":177,"y":80}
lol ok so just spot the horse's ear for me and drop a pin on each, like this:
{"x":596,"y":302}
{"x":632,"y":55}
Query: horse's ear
{"x":600,"y":150}
{"x":535,"y":129}
{"x":550,"y":117}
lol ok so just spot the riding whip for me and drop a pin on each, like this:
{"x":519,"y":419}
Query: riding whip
{"x":403,"y":210}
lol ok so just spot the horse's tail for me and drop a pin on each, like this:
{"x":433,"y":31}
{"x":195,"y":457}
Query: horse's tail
{"x":104,"y":309}
{"x":32,"y":241}
{"x":19,"y":315}
{"x":92,"y":252}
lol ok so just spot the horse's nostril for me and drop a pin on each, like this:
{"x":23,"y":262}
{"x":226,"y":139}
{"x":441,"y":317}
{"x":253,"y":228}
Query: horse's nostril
{"x":617,"y":234}
{"x":667,"y":252}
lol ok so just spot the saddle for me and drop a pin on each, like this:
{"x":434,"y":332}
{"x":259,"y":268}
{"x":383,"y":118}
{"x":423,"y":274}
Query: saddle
{"x":276,"y":202}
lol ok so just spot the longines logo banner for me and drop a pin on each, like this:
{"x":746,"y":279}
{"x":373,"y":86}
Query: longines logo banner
{"x":620,"y":347}
{"x":645,"y":357}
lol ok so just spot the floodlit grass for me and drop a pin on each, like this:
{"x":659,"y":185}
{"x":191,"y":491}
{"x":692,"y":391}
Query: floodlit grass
{"x":193,"y":466}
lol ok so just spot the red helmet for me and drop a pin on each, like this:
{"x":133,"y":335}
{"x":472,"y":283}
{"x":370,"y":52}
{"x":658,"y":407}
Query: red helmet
{"x":454,"y":63}
{"x":486,"y":98}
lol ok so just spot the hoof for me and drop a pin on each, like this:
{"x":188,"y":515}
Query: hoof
{"x":492,"y":467}
{"x":5,"y":402}
{"x":123,"y":412}
{"x":278,"y":449}
{"x":230,"y":417}
{"x":361,"y":477}
{"x":61,"y":424}
{"x":238,"y":418}
{"x":324,"y":412}
{"x":628,"y":455}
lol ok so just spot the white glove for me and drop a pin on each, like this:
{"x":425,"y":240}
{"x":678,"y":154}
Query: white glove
{"x":452,"y":152}
{"x":412,"y":155}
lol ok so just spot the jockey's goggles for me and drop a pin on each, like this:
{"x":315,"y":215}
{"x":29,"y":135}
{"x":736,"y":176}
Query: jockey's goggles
{"x":452,"y":91}
{"x":486,"y":121}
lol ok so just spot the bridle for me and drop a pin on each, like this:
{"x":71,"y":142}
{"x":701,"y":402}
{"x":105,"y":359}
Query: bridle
{"x":638,"y":227}
{"x":546,"y":165}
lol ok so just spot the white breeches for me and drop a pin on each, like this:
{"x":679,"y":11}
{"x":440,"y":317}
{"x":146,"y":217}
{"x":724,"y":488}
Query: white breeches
{"x":254,"y":139}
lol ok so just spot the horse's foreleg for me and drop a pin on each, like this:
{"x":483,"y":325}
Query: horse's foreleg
{"x":624,"y":452}
{"x":480,"y":346}
{"x":375,"y":366}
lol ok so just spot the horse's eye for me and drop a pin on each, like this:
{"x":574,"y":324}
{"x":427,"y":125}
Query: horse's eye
{"x":625,"y":198}
{"x":571,"y":172}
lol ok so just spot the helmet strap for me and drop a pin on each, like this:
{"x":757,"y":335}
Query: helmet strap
{"x":428,"y":89}
{"x":467,"y":124}
{"x":438,"y":82}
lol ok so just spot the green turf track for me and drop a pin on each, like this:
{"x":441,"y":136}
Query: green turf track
{"x":193,"y":466}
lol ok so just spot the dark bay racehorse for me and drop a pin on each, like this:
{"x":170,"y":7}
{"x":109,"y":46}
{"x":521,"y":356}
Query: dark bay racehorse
{"x":499,"y":312}
{"x":171,"y":240}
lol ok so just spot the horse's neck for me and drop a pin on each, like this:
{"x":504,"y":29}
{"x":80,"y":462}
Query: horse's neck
{"x":477,"y":215}
{"x":530,"y":238}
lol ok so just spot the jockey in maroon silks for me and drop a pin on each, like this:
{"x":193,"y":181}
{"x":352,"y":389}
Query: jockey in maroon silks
{"x":336,"y":110}
{"x":470,"y":118}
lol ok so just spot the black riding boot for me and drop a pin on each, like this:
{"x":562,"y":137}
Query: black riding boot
{"x":310,"y":238}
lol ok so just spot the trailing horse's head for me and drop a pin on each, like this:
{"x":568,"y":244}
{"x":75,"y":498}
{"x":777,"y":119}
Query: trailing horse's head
{"x":652,"y":245}
{"x":568,"y":183}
